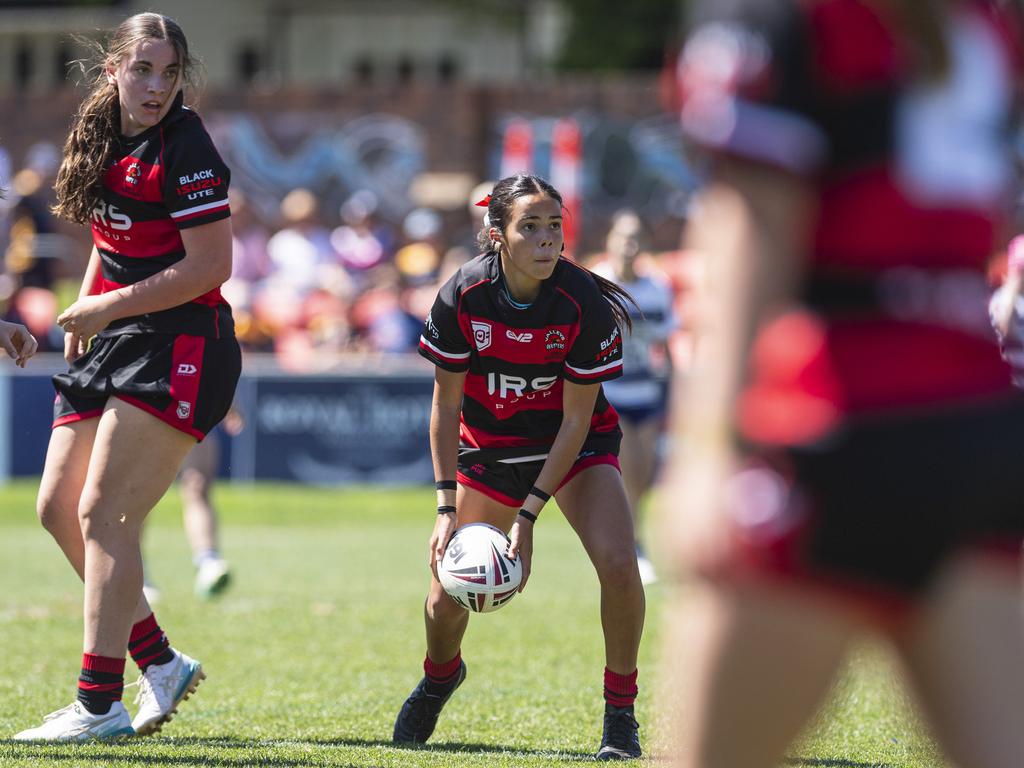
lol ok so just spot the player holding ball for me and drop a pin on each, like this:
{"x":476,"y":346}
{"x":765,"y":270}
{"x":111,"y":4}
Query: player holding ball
{"x":522,"y":339}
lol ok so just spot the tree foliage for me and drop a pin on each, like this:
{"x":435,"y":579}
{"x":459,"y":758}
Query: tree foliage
{"x":630,"y":34}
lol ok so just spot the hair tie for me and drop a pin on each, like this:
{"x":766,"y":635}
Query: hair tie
{"x":485,"y":202}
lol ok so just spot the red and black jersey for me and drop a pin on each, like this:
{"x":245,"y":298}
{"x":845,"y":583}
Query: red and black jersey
{"x":166,"y":179}
{"x":517,"y":358}
{"x":913,"y":173}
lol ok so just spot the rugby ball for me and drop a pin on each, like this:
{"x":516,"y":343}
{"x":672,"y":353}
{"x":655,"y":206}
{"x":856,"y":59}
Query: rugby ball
{"x":476,"y":570}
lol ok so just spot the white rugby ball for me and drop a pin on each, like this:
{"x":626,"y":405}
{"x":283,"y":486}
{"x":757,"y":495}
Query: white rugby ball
{"x":476,"y":570}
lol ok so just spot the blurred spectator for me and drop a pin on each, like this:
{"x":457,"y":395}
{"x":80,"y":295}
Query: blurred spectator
{"x":302,"y":303}
{"x":359,"y":245}
{"x":250,"y":266}
{"x":300,"y":253}
{"x":34,"y":249}
{"x":420,"y":258}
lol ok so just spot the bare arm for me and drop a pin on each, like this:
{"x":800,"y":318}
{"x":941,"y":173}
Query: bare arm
{"x":577,"y":412}
{"x":75,"y":344}
{"x":444,"y":450}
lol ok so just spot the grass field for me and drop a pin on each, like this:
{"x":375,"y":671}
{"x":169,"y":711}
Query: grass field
{"x":320,"y":639}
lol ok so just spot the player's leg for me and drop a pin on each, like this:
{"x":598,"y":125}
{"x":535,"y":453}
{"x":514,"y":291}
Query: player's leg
{"x":964,"y":656}
{"x":746,"y":670}
{"x":446,"y":622}
{"x":637,"y":459}
{"x":200,"y":518}
{"x":594,"y":503}
{"x":60,"y":489}
{"x":116,"y":492}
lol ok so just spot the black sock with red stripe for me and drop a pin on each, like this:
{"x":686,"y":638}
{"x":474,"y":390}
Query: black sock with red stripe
{"x":101,"y":682}
{"x":620,"y":690}
{"x":441,"y":677}
{"x":148,"y":644}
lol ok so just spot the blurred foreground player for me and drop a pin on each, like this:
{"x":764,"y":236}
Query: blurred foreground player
{"x":851,"y":437}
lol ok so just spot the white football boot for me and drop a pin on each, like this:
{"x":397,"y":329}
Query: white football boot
{"x":647,"y":573}
{"x":162,"y":688}
{"x":212,"y":577}
{"x":76,"y":723}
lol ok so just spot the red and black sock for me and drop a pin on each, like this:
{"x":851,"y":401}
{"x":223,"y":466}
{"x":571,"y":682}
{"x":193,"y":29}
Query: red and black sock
{"x":148,"y":644}
{"x":441,"y":677}
{"x":619,"y":690}
{"x":101,"y":682}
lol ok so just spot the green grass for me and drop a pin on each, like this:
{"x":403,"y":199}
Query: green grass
{"x":320,"y":639}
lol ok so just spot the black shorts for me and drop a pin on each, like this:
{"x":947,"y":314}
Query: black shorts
{"x":882,"y":504}
{"x":508,"y":481}
{"x":185,"y":381}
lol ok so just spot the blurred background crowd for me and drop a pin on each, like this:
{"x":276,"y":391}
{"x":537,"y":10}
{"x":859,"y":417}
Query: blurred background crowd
{"x":356,"y":166}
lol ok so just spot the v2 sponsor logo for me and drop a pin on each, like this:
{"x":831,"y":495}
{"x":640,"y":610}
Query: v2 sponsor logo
{"x":523,"y":338}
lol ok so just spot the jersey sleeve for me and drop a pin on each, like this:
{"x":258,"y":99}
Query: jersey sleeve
{"x":596,"y":354}
{"x":747,"y":88}
{"x":442,"y":342}
{"x":195,"y":178}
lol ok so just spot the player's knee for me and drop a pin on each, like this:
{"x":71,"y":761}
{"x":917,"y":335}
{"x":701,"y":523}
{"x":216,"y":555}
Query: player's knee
{"x":53,"y":515}
{"x":616,"y":567}
{"x":100,"y":523}
{"x":193,"y":484}
{"x":441,"y":608}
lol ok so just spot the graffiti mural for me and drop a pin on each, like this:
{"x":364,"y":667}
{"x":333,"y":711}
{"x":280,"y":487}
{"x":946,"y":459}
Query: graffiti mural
{"x":332,"y":158}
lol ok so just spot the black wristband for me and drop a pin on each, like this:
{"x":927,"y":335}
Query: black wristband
{"x":446,"y":485}
{"x":445,"y":509}
{"x":528,"y":515}
{"x":535,"y":491}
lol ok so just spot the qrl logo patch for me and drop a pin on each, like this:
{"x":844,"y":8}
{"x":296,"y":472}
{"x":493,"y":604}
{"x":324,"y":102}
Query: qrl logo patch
{"x":481,"y":335}
{"x":184,"y":409}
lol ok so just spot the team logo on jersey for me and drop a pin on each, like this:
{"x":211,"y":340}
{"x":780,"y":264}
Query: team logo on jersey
{"x":522,"y":338}
{"x":481,"y":335}
{"x":186,"y":369}
{"x":554,"y":339}
{"x":131,"y":176}
{"x":184,"y":409}
{"x":554,"y":344}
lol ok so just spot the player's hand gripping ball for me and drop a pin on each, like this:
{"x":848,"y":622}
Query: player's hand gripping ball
{"x":476,"y":570}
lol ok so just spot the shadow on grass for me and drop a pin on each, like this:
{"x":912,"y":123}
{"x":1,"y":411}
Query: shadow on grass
{"x":820,"y":762}
{"x":148,"y":751}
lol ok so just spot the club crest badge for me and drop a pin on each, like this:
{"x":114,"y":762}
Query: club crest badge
{"x":481,"y":335}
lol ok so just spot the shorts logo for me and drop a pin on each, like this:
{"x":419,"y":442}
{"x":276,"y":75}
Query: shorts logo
{"x":186,"y":369}
{"x":481,"y":335}
{"x":184,"y":409}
